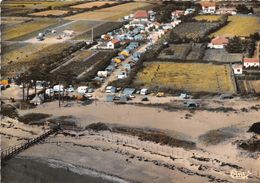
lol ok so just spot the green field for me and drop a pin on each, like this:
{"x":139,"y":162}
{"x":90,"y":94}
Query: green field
{"x":190,"y":77}
{"x":239,"y":26}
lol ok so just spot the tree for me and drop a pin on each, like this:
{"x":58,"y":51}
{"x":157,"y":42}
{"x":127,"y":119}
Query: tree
{"x":243,"y":9}
{"x":235,"y":45}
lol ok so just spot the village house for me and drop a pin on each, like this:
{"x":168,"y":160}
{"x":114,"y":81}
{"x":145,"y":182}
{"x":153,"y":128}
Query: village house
{"x":222,"y":11}
{"x":177,"y":14}
{"x":238,"y":69}
{"x":141,"y":16}
{"x":251,"y":62}
{"x":114,"y":43}
{"x":218,"y":42}
{"x":208,"y":7}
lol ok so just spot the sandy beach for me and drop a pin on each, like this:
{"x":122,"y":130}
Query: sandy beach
{"x":134,"y":160}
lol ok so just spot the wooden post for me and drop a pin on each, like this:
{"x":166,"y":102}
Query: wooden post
{"x":59,"y":93}
{"x":23,"y":90}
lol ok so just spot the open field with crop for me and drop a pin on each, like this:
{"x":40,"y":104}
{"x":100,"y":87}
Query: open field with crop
{"x":239,"y":25}
{"x":92,"y":4}
{"x":27,"y":27}
{"x":35,"y":4}
{"x":210,"y":18}
{"x":194,"y":30}
{"x":187,"y":77}
{"x":23,"y":8}
{"x":50,"y":12}
{"x":111,"y":13}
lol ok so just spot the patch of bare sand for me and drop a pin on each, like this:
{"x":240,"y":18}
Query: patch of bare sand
{"x":139,"y":116}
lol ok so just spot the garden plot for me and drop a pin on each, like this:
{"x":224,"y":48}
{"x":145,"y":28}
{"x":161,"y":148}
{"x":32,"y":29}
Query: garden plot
{"x":188,"y":77}
{"x":183,"y":52}
{"x":221,"y":55}
{"x":194,"y":30}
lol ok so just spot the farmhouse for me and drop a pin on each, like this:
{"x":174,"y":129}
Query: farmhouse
{"x":208,"y":7}
{"x":114,"y":43}
{"x":251,"y":62}
{"x":141,"y":16}
{"x":218,"y":42}
{"x":231,"y":11}
{"x":238,"y":69}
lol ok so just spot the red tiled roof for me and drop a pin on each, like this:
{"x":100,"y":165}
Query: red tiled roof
{"x":237,"y":66}
{"x":208,"y":4}
{"x":251,"y":60}
{"x":141,"y":14}
{"x":219,"y":41}
{"x":115,"y":41}
{"x":178,"y":12}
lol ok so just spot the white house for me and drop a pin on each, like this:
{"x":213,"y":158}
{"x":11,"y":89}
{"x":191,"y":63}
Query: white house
{"x":238,"y":69}
{"x":218,"y":42}
{"x":114,"y":43}
{"x":251,"y":62}
{"x":208,"y":7}
{"x":231,"y":11}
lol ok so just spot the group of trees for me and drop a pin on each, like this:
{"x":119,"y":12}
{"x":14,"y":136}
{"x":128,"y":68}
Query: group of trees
{"x":164,"y":11}
{"x":243,"y":9}
{"x":237,"y":45}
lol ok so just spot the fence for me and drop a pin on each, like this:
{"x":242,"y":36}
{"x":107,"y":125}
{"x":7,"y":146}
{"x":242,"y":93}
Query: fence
{"x":14,"y":150}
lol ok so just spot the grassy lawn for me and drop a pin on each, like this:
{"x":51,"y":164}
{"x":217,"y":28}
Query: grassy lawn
{"x":239,"y":26}
{"x":27,"y":28}
{"x":209,"y":18}
{"x":111,"y":13}
{"x":187,"y":77}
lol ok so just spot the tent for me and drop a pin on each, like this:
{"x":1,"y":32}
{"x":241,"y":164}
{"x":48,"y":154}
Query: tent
{"x":38,"y":99}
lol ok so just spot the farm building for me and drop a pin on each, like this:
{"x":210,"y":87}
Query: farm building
{"x":251,"y":62}
{"x":222,"y":11}
{"x":218,"y":42}
{"x":141,"y":16}
{"x":238,"y":69}
{"x":208,"y":7}
{"x":114,"y":43}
